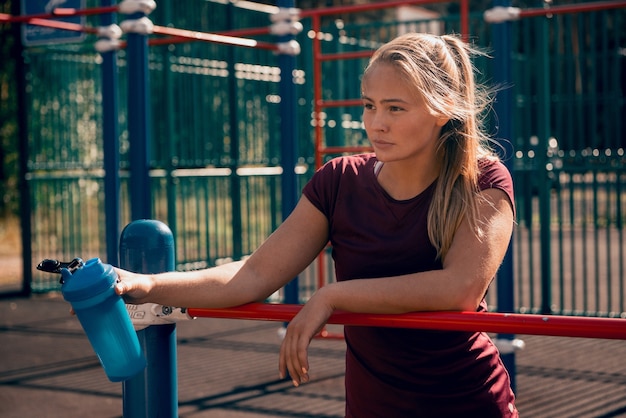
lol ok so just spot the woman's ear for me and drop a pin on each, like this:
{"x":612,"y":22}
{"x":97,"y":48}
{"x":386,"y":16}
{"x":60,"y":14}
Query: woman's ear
{"x":442,"y":120}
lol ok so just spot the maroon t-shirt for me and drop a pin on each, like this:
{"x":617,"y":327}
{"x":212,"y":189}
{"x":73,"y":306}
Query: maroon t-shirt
{"x":395,"y":372}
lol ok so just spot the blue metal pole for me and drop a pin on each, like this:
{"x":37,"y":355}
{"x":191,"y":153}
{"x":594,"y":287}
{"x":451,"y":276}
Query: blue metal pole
{"x":501,"y":35}
{"x":110,"y":139}
{"x":24,"y":152}
{"x":139,"y":131}
{"x":233,"y":123}
{"x":289,"y":141}
{"x":147,"y":246}
{"x":543,"y":114}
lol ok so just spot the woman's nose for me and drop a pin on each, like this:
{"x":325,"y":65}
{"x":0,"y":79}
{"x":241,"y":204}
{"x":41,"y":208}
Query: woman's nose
{"x":378,"y":122}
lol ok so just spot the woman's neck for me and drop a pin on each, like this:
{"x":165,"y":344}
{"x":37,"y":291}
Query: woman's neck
{"x":405,"y":181}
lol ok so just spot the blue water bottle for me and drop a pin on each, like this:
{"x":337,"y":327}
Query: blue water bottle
{"x":104,"y":318}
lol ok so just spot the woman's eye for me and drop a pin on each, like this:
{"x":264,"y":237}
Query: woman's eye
{"x":368,"y":106}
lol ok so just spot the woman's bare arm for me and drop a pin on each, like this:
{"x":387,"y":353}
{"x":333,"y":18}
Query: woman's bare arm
{"x":288,"y":251}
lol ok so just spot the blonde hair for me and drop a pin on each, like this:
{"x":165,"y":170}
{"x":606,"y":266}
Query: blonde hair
{"x":441,"y":71}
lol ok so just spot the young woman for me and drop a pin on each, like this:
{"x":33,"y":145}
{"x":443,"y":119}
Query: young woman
{"x":421,"y":224}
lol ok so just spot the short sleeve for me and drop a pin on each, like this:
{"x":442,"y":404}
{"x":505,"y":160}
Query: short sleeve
{"x":495,"y":175}
{"x":320,"y":191}
{"x":338,"y":174}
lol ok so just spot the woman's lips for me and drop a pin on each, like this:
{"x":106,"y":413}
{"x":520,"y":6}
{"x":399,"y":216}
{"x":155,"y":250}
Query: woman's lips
{"x":381,"y":143}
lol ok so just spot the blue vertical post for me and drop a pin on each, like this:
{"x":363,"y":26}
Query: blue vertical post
{"x":147,"y":246}
{"x":501,"y":36}
{"x":24,"y":151}
{"x":543,"y":114}
{"x":233,"y":124}
{"x":289,"y":141}
{"x":139,"y":120}
{"x":110,"y":140}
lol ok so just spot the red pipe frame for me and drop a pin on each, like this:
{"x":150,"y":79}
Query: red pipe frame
{"x":59,"y":12}
{"x":462,"y":321}
{"x":212,"y":37}
{"x":49,"y":23}
{"x":175,"y":35}
{"x":561,"y":326}
{"x":318,"y":57}
{"x":319,"y":103}
{"x":572,"y":8}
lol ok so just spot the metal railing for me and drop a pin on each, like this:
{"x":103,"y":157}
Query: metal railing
{"x":568,"y":73}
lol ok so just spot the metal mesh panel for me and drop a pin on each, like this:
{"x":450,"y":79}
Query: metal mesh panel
{"x":215,"y":150}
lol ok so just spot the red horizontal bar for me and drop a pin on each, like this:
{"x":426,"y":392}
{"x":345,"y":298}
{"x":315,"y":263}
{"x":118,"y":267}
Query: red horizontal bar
{"x":176,"y":35}
{"x":561,"y":326}
{"x":340,"y":150}
{"x":212,"y":37}
{"x":365,"y":7}
{"x":56,"y":24}
{"x":233,"y":33}
{"x":169,"y":40}
{"x":340,"y":103}
{"x":345,"y":55}
{"x":247,"y":31}
{"x":58,"y":13}
{"x":572,"y":8}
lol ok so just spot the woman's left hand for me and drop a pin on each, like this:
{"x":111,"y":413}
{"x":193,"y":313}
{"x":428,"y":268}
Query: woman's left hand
{"x":300,"y":331}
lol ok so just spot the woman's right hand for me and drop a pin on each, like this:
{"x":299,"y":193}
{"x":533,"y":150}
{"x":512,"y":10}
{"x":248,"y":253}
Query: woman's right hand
{"x":133,"y":287}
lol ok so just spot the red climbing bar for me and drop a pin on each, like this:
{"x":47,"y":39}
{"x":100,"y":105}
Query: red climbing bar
{"x":572,"y":8}
{"x":561,"y":326}
{"x":59,"y":12}
{"x":212,"y":37}
{"x":49,"y":23}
